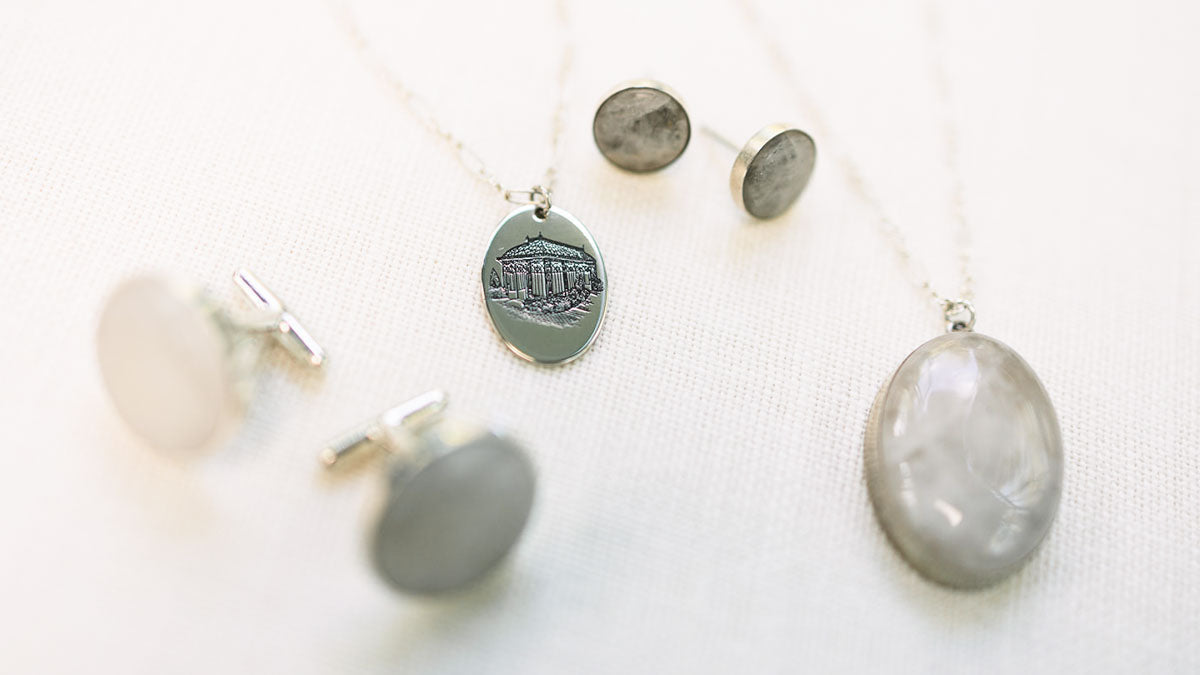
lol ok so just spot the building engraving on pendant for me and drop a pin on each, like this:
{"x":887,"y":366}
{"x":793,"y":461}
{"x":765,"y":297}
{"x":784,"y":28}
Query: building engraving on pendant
{"x":545,"y":281}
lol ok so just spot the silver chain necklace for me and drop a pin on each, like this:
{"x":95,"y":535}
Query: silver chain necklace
{"x":962,"y":450}
{"x":544,"y":282}
{"x":957,"y":309}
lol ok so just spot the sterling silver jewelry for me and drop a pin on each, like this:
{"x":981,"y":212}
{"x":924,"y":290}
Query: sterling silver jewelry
{"x":178,"y":367}
{"x":641,"y":126}
{"x":543,"y":279}
{"x":454,"y":500}
{"x":962,"y":451}
{"x":771,"y":170}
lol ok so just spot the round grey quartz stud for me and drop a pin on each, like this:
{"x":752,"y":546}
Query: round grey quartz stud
{"x":641,"y":126}
{"x":772,"y":170}
{"x":448,"y":522}
{"x":964,"y":460}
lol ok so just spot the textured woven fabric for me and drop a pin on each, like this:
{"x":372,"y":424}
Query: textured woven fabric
{"x":703,"y":507}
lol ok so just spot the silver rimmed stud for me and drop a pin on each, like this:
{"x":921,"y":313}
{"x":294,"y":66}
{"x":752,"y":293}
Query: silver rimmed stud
{"x":641,"y":126}
{"x":454,"y":500}
{"x":178,"y":367}
{"x":771,"y":170}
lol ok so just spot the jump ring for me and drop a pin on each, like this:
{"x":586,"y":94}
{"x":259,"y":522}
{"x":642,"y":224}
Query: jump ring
{"x":954,"y":309}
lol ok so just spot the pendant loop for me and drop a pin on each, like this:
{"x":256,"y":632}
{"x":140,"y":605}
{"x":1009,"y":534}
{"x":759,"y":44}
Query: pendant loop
{"x":537,"y":195}
{"x":959,"y":314}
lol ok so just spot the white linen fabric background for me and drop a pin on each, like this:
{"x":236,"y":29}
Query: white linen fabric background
{"x":703,"y":507}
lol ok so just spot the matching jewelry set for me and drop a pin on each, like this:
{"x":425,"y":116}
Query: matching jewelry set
{"x":962,"y":449}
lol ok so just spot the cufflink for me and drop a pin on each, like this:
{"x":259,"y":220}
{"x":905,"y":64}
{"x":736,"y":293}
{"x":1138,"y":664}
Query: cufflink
{"x":179,"y":367}
{"x":454,"y":499}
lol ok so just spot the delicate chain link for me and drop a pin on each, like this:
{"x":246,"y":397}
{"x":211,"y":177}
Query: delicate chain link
{"x":538,"y":195}
{"x":558,"y":122}
{"x":950,"y":135}
{"x":887,"y":227}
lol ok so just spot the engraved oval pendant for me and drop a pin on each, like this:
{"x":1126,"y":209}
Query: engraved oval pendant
{"x":544,"y":285}
{"x":963,"y":460}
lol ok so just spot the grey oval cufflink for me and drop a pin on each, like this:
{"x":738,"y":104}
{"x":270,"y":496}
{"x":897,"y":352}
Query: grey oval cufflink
{"x":455,"y":498}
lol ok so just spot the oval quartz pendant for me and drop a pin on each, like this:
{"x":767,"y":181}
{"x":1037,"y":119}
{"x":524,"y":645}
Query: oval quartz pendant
{"x":544,"y":285}
{"x":964,"y":460}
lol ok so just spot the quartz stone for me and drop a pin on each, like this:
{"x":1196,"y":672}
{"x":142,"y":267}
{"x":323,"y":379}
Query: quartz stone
{"x":163,"y":359}
{"x":772,"y":170}
{"x":641,"y":127}
{"x":964,"y":460}
{"x":450,"y":518}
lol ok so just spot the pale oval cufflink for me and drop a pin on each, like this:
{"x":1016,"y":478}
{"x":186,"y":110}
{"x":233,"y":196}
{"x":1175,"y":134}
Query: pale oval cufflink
{"x":642,"y":126}
{"x":178,"y":367}
{"x":454,"y":500}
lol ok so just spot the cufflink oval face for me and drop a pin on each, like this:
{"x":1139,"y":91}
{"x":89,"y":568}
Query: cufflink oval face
{"x":641,"y":126}
{"x":164,"y":360}
{"x":772,"y":170}
{"x":445,"y":524}
{"x":455,"y":499}
{"x":177,"y":366}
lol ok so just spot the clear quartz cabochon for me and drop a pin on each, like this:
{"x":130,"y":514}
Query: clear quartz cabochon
{"x":165,"y":359}
{"x":963,"y":458}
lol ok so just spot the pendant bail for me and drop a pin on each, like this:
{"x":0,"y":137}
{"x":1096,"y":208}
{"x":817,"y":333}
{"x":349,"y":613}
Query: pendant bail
{"x":536,"y":195}
{"x":959,"y":314}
